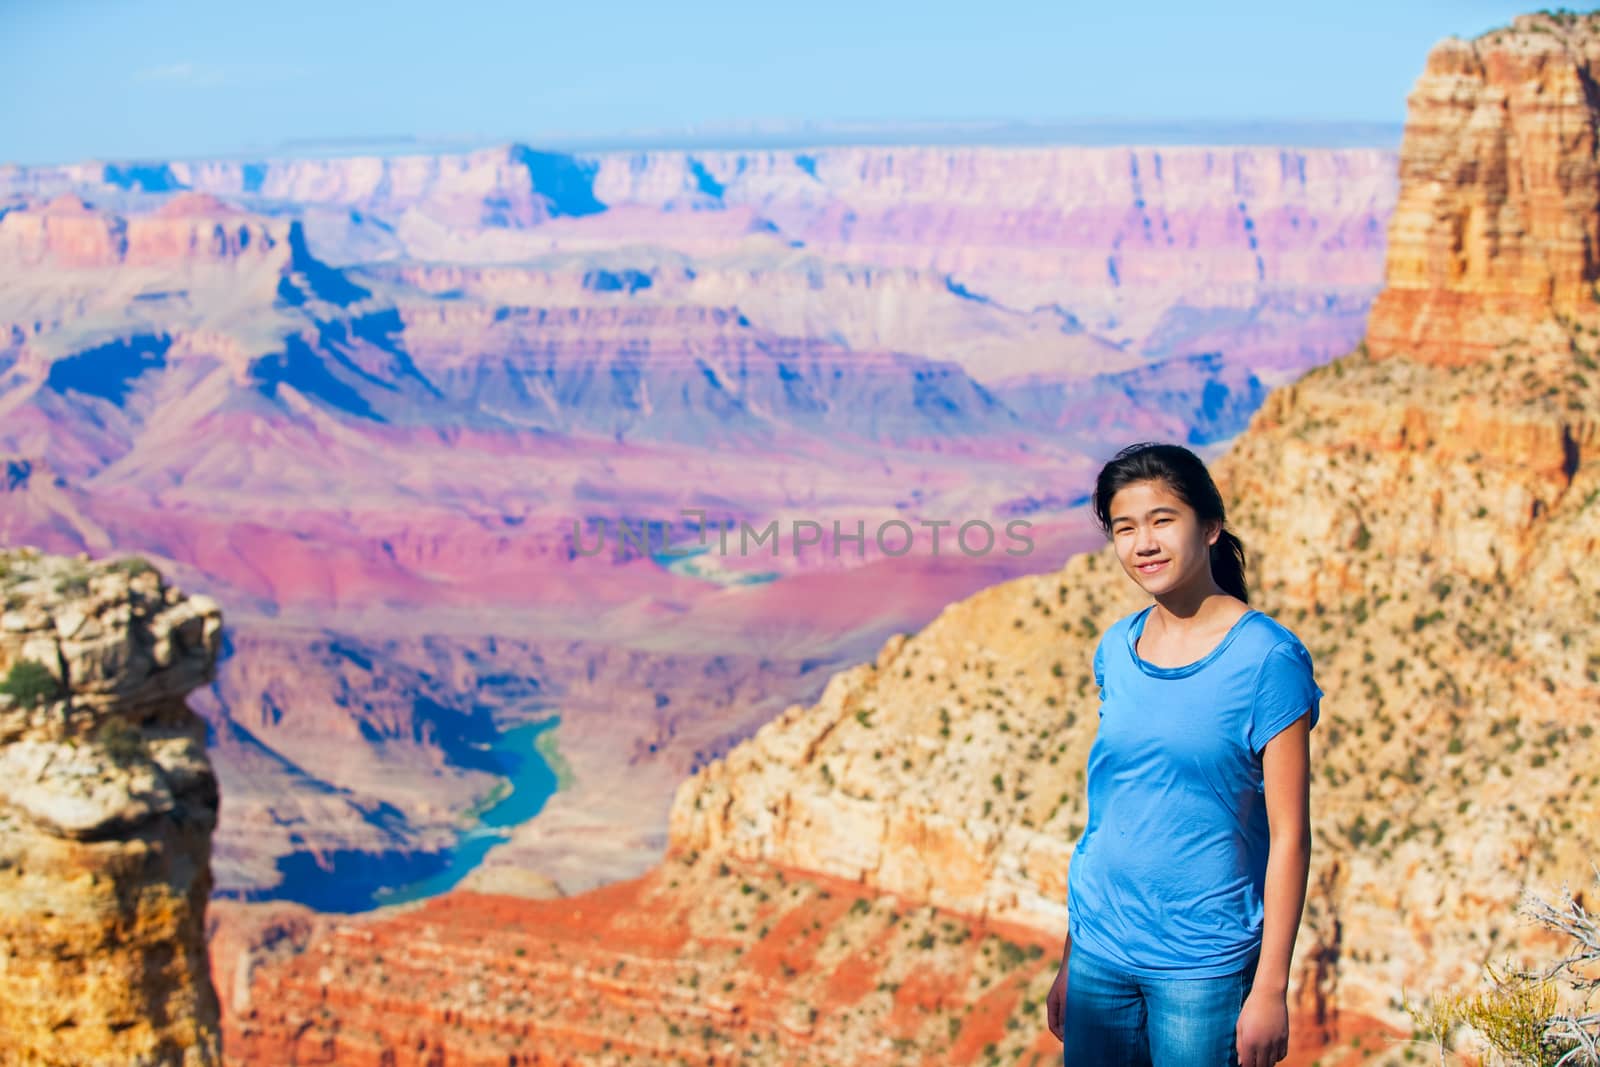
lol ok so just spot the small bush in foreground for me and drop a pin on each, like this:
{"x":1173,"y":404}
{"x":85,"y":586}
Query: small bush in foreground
{"x":1521,"y":1017}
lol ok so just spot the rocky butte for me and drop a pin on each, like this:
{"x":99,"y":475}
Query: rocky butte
{"x":873,"y":878}
{"x":1496,"y":229}
{"x":107,"y":805}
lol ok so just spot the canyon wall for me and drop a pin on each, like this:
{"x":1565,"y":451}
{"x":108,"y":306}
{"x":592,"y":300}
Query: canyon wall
{"x":1125,"y":240}
{"x":189,"y":229}
{"x":107,"y":804}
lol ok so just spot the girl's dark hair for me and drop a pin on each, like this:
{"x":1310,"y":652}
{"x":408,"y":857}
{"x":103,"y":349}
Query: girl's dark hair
{"x":1185,"y":474}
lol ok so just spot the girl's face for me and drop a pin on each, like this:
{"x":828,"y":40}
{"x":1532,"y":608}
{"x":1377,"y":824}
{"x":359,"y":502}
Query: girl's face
{"x":1162,"y":544}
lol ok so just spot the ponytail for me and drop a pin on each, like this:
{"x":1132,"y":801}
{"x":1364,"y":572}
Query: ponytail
{"x":1227,"y":564}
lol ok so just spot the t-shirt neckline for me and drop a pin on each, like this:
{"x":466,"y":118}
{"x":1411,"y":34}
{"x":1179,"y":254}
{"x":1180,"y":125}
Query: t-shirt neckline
{"x":1136,"y":627}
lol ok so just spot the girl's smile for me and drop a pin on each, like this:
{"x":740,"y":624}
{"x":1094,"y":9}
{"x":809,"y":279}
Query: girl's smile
{"x":1158,"y":535}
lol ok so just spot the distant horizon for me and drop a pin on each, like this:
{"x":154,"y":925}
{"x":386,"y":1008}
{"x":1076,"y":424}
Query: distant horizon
{"x":1066,"y":133}
{"x":189,"y":79}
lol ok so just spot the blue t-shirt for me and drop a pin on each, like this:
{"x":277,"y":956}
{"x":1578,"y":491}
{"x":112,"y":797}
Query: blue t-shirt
{"x":1168,"y":878}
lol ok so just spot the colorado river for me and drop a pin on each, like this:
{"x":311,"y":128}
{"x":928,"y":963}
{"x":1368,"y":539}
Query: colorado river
{"x":532,"y":781}
{"x":354,"y":881}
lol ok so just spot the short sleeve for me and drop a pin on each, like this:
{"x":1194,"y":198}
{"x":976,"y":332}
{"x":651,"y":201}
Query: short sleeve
{"x":1285,"y":689}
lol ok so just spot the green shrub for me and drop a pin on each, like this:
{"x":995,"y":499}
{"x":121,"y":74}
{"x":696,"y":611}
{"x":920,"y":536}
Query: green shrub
{"x":30,"y":684}
{"x":1521,"y":1016}
{"x":122,"y":741}
{"x":1511,"y":1017}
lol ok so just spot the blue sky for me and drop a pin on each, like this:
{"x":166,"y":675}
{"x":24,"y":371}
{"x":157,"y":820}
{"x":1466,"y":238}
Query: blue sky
{"x":155,"y":79}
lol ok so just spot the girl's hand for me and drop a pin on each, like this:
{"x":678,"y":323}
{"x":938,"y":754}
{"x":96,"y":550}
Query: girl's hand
{"x":1055,"y":1004}
{"x":1262,"y":1033}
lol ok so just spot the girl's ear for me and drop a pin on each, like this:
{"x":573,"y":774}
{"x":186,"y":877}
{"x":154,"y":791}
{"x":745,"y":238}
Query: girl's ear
{"x":1215,"y":533}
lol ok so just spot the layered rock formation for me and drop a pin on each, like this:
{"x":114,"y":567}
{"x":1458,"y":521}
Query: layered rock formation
{"x":1497,"y":227}
{"x":189,"y":229}
{"x":107,"y":805}
{"x":1132,"y":243}
{"x":1170,"y":210}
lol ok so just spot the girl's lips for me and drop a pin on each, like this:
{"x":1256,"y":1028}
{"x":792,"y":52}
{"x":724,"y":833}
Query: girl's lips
{"x":1151,"y":568}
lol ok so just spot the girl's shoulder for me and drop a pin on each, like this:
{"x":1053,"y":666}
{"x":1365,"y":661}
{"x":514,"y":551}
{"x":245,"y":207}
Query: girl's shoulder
{"x":1261,"y":633}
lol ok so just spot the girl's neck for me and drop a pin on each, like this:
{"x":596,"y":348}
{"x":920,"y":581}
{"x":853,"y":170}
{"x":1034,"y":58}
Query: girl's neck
{"x":1193,"y":611}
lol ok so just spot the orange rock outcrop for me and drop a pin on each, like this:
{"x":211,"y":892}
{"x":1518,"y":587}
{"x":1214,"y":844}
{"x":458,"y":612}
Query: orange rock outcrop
{"x":107,"y":804}
{"x":1497,"y":227}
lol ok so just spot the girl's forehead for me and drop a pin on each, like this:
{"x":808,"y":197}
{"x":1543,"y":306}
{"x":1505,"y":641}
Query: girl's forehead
{"x":1148,"y":495}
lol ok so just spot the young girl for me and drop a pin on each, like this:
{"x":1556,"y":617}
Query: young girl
{"x":1185,"y":891}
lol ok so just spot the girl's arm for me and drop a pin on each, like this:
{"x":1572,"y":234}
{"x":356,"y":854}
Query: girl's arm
{"x":1262,"y":1032}
{"x":1286,"y":769}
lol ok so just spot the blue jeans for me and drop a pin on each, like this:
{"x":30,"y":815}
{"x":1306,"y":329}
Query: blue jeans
{"x":1115,"y":1019}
